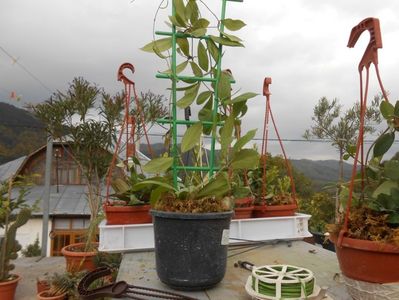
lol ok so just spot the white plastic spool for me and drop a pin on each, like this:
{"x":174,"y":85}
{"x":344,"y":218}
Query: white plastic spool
{"x":280,"y":275}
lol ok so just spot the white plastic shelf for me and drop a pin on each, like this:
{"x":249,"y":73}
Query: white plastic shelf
{"x":136,"y":237}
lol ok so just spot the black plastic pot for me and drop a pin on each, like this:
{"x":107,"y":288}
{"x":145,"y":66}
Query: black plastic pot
{"x":320,"y":238}
{"x":191,"y":249}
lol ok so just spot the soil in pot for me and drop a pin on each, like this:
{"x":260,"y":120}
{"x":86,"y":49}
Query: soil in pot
{"x":265,"y":211}
{"x":77,"y":259}
{"x":7,"y":288}
{"x":121,"y":215}
{"x":191,"y":249}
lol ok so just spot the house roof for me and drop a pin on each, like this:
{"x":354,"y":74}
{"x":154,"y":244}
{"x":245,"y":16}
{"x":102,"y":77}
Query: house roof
{"x":70,"y":200}
{"x":10,"y":168}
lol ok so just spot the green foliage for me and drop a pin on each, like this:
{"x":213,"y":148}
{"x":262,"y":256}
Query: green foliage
{"x":14,"y":213}
{"x":321,"y":206}
{"x":33,"y":249}
{"x":215,"y":101}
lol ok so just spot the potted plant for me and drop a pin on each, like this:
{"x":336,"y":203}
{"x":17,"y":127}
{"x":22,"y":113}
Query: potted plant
{"x":61,"y":286}
{"x":14,"y":213}
{"x":368,"y":249}
{"x":72,"y":117}
{"x":273,"y":192}
{"x":127,"y":205}
{"x":243,"y":198}
{"x":192,"y":210}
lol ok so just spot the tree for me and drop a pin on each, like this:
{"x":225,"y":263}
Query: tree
{"x":88,"y":126}
{"x":341,"y":128}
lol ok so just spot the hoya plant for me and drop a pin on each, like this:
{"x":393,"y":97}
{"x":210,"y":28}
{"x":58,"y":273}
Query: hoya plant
{"x":198,"y":80}
{"x":375,"y":212}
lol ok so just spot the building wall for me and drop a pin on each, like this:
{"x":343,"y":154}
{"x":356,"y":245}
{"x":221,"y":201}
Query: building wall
{"x":28,"y":233}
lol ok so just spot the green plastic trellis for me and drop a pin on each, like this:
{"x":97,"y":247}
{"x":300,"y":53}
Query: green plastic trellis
{"x":174,"y":121}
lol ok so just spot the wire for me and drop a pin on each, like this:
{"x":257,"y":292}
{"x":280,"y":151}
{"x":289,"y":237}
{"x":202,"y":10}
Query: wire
{"x":15,"y":60}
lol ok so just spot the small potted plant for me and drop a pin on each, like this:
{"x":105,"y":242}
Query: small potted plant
{"x":243,"y":198}
{"x":127,"y":205}
{"x":61,"y":286}
{"x":14,"y":213}
{"x":273,"y":192}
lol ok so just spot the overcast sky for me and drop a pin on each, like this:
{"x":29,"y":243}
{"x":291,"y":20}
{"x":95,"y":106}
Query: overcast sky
{"x":301,"y":44}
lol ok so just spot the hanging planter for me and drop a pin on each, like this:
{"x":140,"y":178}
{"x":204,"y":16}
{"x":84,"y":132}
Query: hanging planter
{"x":127,"y":205}
{"x":366,"y":243}
{"x":121,"y":215}
{"x":265,"y":211}
{"x":243,"y":208}
{"x":275,"y":193}
{"x":281,"y":282}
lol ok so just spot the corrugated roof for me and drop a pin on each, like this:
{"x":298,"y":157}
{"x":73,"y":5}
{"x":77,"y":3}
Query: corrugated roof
{"x":8,"y":169}
{"x":70,"y":200}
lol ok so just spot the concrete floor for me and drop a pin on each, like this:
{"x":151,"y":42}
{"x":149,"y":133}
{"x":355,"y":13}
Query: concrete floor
{"x":139,"y":269}
{"x":30,"y":269}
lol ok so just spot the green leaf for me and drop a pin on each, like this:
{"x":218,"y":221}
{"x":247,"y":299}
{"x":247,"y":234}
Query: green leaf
{"x":184,"y":46}
{"x":396,"y":112}
{"x":203,"y":57}
{"x":217,"y":187}
{"x":233,"y":25}
{"x":387,"y":109}
{"x":201,"y":23}
{"x":346,"y":156}
{"x":194,"y":11}
{"x":241,"y":142}
{"x":383,"y":143}
{"x":239,"y":109}
{"x":158,"y":165}
{"x":179,"y":68}
{"x":196,"y":70}
{"x":202,"y":97}
{"x":393,"y":218}
{"x":191,"y":137}
{"x":156,"y":194}
{"x":178,"y":22}
{"x":224,"y":87}
{"x":245,"y":159}
{"x":225,"y":41}
{"x":242,"y":97}
{"x":231,"y":37}
{"x":198,"y":32}
{"x":226,"y":135}
{"x":180,"y":11}
{"x":160,"y":45}
{"x":391,"y":169}
{"x":385,"y":188}
{"x":213,"y":49}
{"x":189,"y":96}
{"x":149,"y":182}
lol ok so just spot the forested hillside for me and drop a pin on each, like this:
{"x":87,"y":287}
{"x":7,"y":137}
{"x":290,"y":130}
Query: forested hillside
{"x":20,"y":132}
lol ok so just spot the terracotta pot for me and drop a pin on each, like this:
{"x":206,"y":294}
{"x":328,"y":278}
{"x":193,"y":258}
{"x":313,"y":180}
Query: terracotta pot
{"x":265,"y":211}
{"x":42,"y":285}
{"x":244,"y":208}
{"x":43,"y":296}
{"x":118,"y":215}
{"x":78,"y":260}
{"x":367,"y":260}
{"x":7,"y":288}
{"x":243,"y":212}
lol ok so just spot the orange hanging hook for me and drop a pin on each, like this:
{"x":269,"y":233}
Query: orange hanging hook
{"x":122,"y":77}
{"x":371,"y":53}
